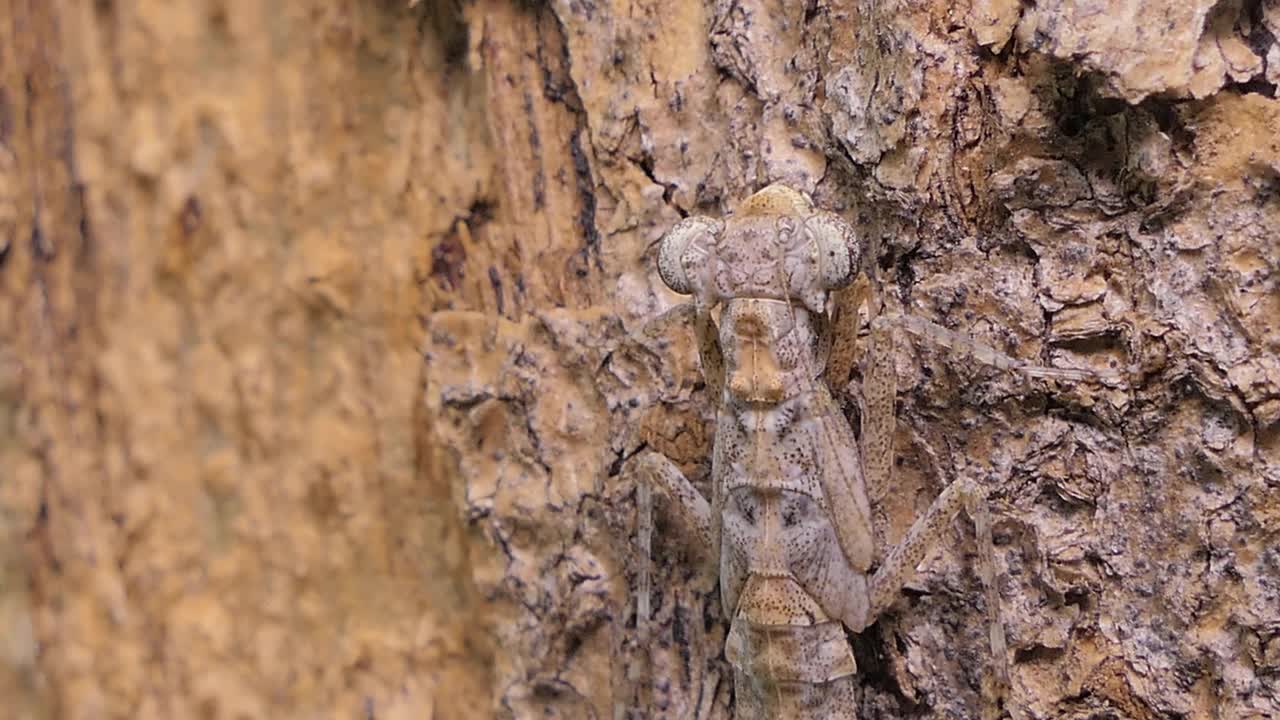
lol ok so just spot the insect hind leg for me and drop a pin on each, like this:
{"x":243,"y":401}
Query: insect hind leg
{"x":692,"y":511}
{"x":926,"y":533}
{"x":693,"y":526}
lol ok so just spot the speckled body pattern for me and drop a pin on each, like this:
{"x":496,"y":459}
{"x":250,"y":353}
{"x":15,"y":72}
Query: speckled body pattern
{"x":789,"y":514}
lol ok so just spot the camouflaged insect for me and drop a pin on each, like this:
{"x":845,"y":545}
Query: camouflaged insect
{"x":790,"y":519}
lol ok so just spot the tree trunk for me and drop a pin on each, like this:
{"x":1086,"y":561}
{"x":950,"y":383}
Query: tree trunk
{"x":327,"y":339}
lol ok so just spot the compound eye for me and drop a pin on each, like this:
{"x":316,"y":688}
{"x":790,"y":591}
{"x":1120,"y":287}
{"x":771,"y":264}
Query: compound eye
{"x":835,"y":247}
{"x":684,"y":252}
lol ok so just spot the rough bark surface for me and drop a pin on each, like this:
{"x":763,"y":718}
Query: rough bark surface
{"x":327,"y":336}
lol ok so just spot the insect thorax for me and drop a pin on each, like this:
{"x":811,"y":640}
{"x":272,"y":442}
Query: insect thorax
{"x":770,"y":350}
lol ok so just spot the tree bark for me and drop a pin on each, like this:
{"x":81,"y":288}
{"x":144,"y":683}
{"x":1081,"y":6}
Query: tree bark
{"x":328,"y":333}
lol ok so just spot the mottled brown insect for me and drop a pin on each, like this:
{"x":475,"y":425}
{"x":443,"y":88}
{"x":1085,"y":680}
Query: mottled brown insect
{"x":791,"y":518}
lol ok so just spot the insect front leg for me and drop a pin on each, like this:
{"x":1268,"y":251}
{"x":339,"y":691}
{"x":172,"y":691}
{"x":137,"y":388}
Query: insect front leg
{"x":846,"y":323}
{"x":877,"y":390}
{"x":709,"y":353}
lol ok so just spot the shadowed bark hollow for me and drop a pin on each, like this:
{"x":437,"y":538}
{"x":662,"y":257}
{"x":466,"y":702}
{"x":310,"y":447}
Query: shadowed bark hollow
{"x":327,"y":338}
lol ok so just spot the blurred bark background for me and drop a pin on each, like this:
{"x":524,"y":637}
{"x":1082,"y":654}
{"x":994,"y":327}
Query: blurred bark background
{"x":325,"y":342}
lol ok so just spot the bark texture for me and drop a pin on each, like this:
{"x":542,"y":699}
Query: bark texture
{"x":327,"y":334}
